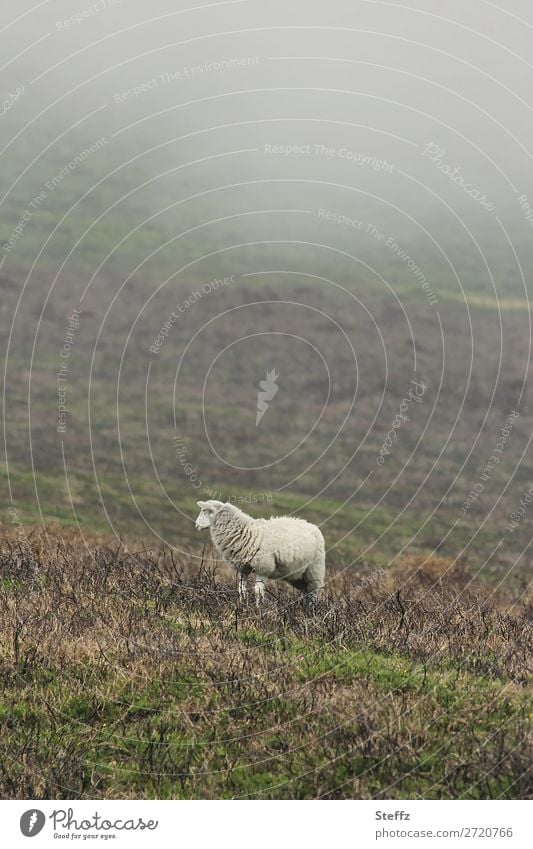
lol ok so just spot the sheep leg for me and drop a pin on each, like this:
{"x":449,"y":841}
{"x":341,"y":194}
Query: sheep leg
{"x":243,"y":589}
{"x":314,"y":578}
{"x":313,"y":591}
{"x":312,"y":598}
{"x":259,"y":590}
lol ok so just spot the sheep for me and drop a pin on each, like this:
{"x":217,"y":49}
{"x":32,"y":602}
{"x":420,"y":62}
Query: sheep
{"x":281,"y":548}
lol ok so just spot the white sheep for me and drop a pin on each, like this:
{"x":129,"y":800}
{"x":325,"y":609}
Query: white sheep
{"x":281,"y":548}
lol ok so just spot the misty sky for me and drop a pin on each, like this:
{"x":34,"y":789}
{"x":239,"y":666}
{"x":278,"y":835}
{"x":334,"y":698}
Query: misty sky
{"x":378,"y":78}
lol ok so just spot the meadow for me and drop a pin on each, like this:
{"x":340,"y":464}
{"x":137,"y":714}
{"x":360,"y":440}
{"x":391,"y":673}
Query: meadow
{"x":129,"y":667}
{"x":139,"y":674}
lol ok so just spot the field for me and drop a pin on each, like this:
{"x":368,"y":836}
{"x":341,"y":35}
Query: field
{"x":341,"y":318}
{"x":141,"y":446}
{"x":162,"y":260}
{"x":138,"y":675}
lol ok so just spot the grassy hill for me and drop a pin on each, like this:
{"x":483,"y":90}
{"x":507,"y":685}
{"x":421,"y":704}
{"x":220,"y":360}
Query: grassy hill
{"x":166,"y":241}
{"x":139,"y":674}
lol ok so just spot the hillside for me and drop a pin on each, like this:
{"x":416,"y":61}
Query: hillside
{"x":139,"y":674}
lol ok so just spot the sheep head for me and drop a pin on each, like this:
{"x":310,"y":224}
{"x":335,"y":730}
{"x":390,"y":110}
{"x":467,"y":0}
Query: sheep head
{"x":208,"y":511}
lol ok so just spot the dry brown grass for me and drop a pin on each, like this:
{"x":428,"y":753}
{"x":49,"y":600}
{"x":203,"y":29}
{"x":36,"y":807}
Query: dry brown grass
{"x":136,"y":674}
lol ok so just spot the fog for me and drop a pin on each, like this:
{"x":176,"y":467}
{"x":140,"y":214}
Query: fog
{"x":395,"y":115}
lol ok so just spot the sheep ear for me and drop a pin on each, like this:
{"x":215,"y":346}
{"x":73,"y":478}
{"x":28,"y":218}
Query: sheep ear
{"x":201,"y":503}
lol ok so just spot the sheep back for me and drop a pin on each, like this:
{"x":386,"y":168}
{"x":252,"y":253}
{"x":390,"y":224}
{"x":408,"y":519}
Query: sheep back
{"x":288,"y":548}
{"x":282,"y":547}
